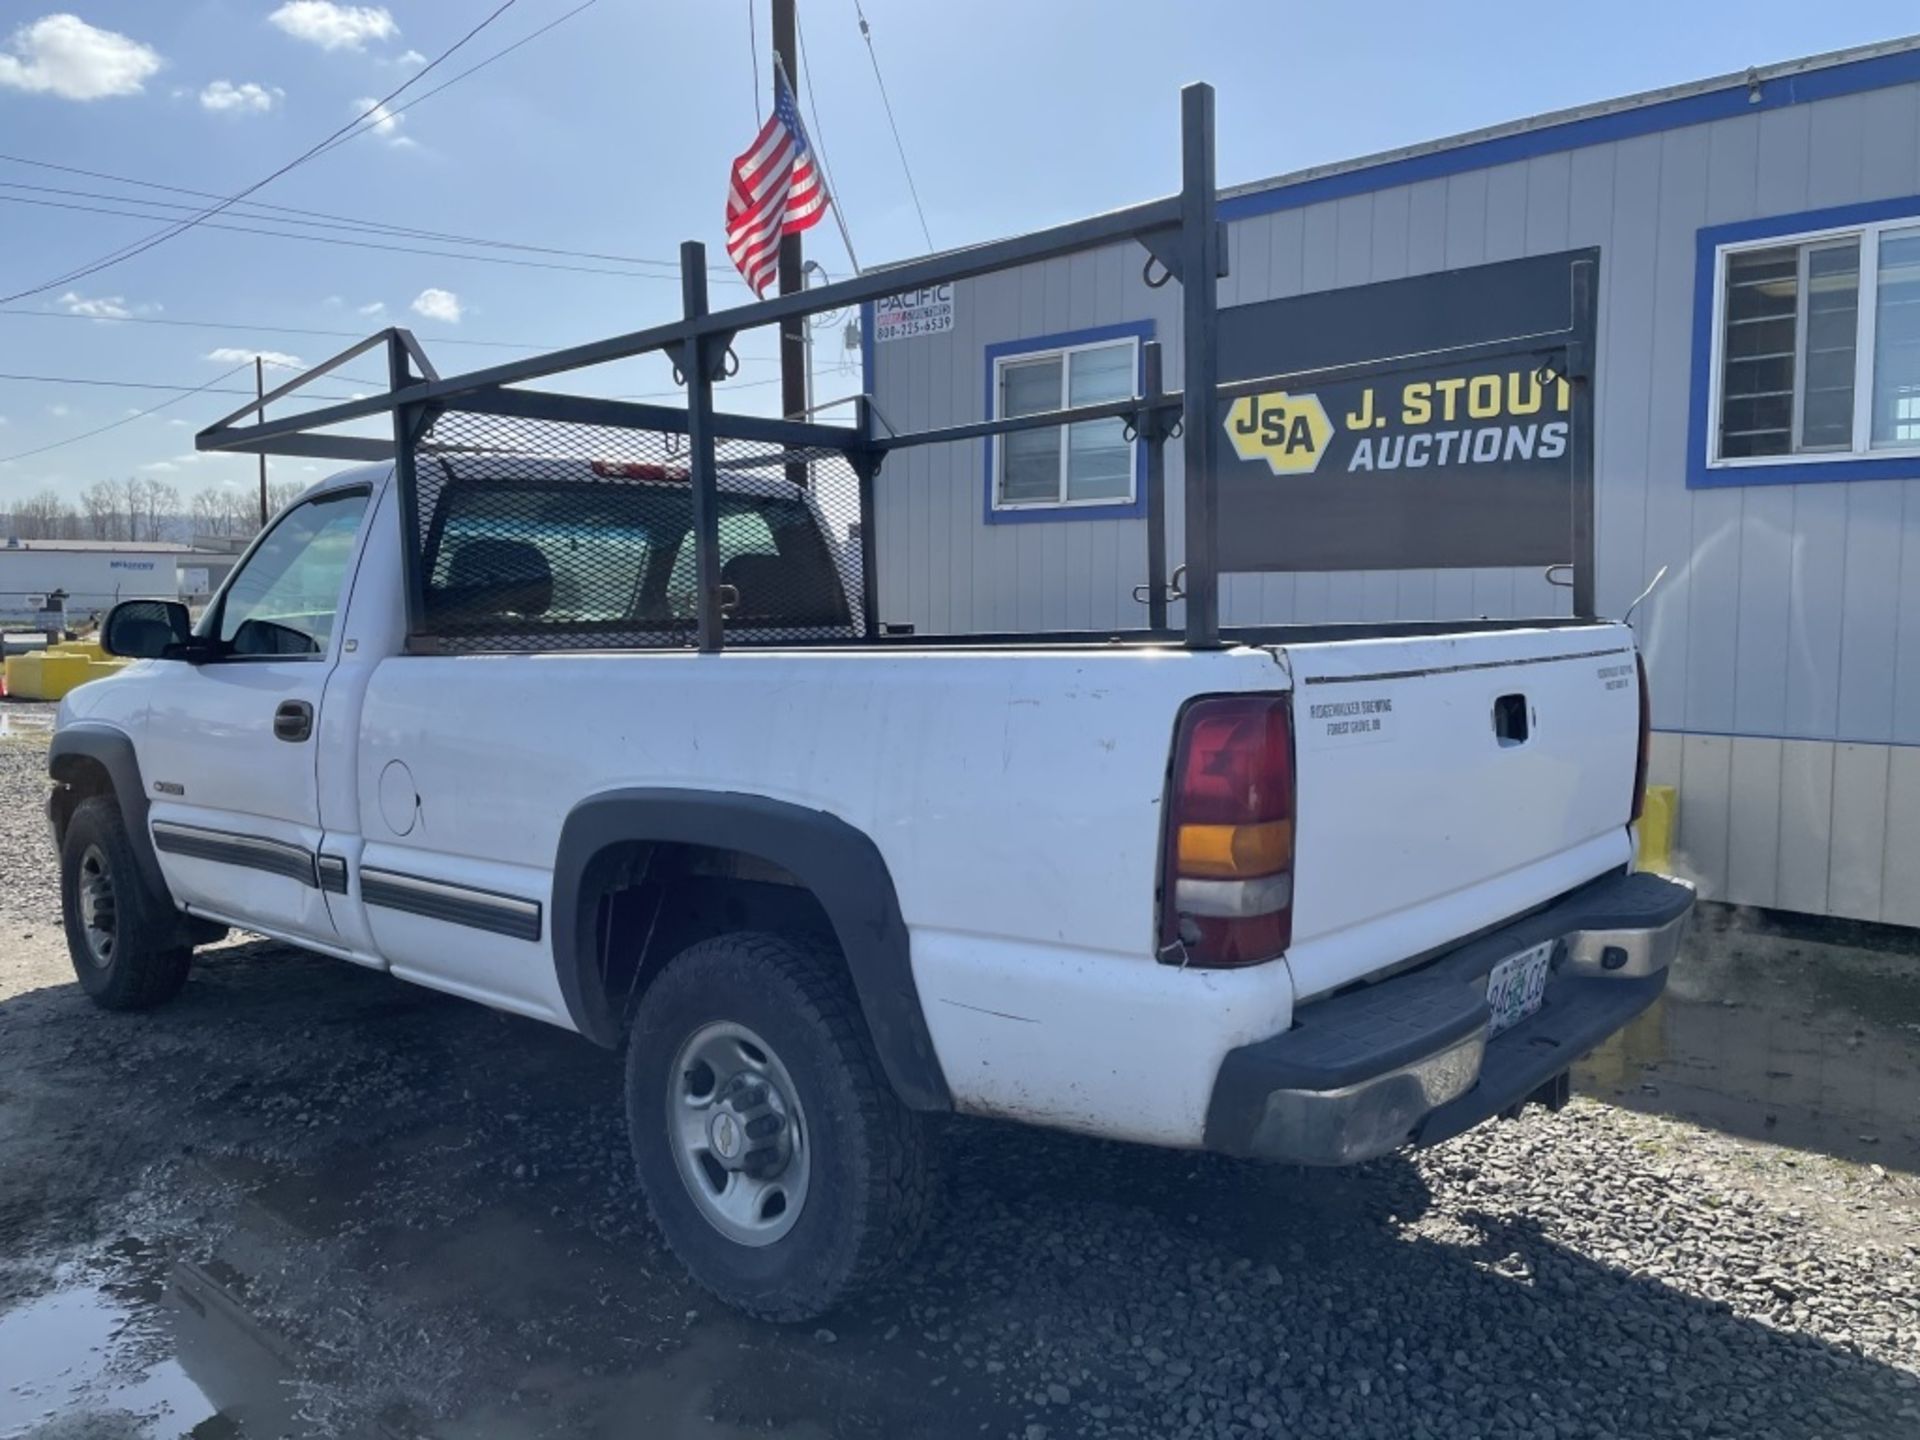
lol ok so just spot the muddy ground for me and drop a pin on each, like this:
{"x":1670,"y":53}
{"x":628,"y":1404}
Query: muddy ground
{"x":307,"y":1199}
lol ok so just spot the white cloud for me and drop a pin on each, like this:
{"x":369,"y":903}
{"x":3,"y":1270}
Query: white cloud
{"x":100,"y":307}
{"x":178,"y":462}
{"x":4,"y":420}
{"x":63,"y":55}
{"x":246,"y":98}
{"x":382,"y":121}
{"x":410,"y":57}
{"x":181,"y":423}
{"x":372,"y":307}
{"x":59,"y":412}
{"x":333,"y":302}
{"x":234,"y":355}
{"x":334,"y":27}
{"x":437,"y":304}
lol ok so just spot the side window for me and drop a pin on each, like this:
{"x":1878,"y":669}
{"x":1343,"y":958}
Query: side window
{"x":283,"y":600}
{"x":513,"y":554}
{"x":535,"y":556}
{"x":742,"y":532}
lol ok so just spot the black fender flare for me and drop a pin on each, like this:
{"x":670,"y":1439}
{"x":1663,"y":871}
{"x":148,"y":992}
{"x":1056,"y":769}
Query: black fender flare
{"x":75,"y":745}
{"x":838,"y":863}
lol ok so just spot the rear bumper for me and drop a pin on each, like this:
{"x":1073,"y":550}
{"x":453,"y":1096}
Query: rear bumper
{"x":1408,"y":1061}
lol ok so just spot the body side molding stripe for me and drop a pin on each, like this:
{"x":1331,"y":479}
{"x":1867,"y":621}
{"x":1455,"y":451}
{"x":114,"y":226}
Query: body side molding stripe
{"x":457,"y":904}
{"x":251,"y":852}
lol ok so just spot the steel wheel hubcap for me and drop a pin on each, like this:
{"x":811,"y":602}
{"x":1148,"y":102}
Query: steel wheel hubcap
{"x":98,"y":917}
{"x":739,"y":1137}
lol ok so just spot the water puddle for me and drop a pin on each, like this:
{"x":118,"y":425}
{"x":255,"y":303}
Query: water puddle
{"x":84,"y":1349}
{"x":1775,"y":1036}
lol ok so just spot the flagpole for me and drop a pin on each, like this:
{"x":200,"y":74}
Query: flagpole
{"x":793,"y":346}
{"x":833,"y":197}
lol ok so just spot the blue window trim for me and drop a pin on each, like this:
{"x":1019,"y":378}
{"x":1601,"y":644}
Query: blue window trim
{"x":1707,"y":242}
{"x":1137,"y":330}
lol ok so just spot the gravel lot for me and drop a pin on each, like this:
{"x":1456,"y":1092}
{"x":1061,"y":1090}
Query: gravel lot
{"x":309,"y":1199}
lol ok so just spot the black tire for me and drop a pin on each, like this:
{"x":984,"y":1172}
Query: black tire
{"x":145,"y":961}
{"x":867,"y":1181}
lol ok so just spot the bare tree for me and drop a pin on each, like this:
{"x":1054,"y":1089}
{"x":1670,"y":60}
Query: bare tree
{"x":161,"y":504}
{"x":129,"y":499}
{"x":45,"y":516}
{"x":282,"y":493}
{"x":207,"y":513}
{"x":100,"y":506}
{"x":225,"y":511}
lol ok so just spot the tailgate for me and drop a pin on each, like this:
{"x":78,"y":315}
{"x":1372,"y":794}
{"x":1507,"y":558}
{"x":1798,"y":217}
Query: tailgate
{"x":1447,"y":783}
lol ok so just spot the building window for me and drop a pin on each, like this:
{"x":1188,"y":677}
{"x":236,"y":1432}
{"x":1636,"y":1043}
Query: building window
{"x":1818,"y":346}
{"x":1091,"y":465}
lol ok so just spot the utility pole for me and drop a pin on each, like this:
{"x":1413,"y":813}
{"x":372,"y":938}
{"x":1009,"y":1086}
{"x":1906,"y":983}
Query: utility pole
{"x":259,"y":414}
{"x":793,"y":332}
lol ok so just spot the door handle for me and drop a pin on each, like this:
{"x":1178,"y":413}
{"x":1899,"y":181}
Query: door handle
{"x":293,"y":721}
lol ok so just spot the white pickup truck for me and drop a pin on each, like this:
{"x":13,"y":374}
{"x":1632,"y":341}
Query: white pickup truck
{"x":1312,"y":896}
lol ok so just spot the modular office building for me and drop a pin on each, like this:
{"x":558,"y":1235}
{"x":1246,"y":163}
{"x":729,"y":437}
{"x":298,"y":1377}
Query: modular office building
{"x":1752,"y":248}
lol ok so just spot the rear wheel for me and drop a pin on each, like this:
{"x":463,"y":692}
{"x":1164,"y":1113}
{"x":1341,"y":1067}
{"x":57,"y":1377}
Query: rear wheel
{"x":775,"y":1158}
{"x":124,"y":940}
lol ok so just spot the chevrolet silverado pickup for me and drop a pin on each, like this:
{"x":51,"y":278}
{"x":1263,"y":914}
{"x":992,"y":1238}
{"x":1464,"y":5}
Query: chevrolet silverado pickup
{"x":1312,"y":896}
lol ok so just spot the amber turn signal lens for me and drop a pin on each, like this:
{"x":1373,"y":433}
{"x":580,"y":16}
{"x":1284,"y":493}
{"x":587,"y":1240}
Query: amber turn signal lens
{"x":1235,"y":852}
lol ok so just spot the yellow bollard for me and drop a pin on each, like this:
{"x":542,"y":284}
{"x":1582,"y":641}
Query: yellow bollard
{"x":1656,"y":829}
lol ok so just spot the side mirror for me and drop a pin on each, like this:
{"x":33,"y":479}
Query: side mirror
{"x":145,"y":629}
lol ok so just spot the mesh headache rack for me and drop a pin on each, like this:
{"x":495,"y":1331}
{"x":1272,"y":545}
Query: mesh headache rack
{"x":540,"y":520}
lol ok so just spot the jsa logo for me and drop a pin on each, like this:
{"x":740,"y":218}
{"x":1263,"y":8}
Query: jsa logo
{"x":1289,"y":432}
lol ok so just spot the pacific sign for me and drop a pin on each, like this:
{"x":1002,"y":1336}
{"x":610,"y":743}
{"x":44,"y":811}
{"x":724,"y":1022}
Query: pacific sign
{"x":1410,"y":460}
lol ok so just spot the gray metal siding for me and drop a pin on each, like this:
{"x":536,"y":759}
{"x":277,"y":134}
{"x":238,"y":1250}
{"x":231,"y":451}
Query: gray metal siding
{"x":1790,"y":613}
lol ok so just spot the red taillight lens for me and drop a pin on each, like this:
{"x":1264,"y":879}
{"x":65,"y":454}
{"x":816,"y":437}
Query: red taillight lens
{"x":1227,"y":886}
{"x":637,"y":470}
{"x":1646,"y":743}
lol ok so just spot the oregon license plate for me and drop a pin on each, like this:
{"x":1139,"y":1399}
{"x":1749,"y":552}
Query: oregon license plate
{"x":1517,"y":985}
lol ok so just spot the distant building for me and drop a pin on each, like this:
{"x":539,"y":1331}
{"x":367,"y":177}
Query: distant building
{"x":95,"y":573}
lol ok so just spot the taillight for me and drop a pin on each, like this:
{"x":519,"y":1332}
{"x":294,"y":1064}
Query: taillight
{"x":637,"y":470}
{"x":1646,"y":743}
{"x":1227,"y":889}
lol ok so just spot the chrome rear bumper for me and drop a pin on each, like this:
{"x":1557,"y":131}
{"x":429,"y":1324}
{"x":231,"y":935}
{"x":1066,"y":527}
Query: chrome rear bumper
{"x":1408,"y":1061}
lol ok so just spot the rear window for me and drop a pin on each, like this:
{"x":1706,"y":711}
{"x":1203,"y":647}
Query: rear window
{"x":533,"y":557}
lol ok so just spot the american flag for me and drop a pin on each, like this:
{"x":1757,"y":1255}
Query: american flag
{"x":775,"y":191}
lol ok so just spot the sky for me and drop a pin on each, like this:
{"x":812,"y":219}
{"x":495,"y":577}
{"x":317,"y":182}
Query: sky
{"x":611,"y":135}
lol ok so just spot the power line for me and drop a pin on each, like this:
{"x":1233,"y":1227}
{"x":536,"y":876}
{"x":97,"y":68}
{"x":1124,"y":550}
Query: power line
{"x":205,"y":389}
{"x":232,"y":325}
{"x":127,"y":252}
{"x":294,"y":215}
{"x":753,"y":48}
{"x":267,"y":329}
{"x":820,"y":140}
{"x":154,"y":385}
{"x":866,"y":32}
{"x":334,"y":144}
{"x":296,"y":235}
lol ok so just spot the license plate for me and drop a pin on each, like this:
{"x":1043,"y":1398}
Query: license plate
{"x":1517,"y":985}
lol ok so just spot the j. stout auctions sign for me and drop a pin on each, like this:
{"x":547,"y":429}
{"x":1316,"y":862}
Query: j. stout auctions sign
{"x":1441,"y":464}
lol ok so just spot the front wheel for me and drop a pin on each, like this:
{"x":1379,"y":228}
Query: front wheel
{"x":775,"y":1158}
{"x":124,"y":940}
